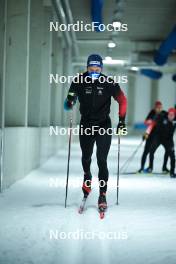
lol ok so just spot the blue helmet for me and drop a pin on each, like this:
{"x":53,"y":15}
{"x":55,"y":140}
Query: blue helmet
{"x":95,"y":60}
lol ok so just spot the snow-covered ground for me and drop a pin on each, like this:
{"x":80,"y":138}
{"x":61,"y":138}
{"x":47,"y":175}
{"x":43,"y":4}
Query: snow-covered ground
{"x":35,"y":228}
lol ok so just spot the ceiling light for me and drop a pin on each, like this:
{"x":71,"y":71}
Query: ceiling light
{"x":110,"y":61}
{"x":116,"y":24}
{"x":134,"y":68}
{"x":108,"y":58}
{"x":111,"y":44}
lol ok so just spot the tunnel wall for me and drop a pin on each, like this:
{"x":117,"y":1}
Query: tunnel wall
{"x":143,"y":92}
{"x":30,"y":52}
{"x":167,"y":91}
{"x":2,"y":4}
{"x":32,"y":147}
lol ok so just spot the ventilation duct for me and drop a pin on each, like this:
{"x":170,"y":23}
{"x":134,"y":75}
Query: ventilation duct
{"x":166,"y":48}
{"x":155,"y":75}
{"x":96,"y":12}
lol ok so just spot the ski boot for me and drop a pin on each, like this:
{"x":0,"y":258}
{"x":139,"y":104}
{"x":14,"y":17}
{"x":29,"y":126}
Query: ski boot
{"x":172,"y":175}
{"x":165,"y":170}
{"x":148,"y":170}
{"x":141,"y":170}
{"x":102,"y":205}
{"x":86,"y":187}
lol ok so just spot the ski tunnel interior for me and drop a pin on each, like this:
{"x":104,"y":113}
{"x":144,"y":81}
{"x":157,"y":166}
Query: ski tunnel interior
{"x":39,"y":55}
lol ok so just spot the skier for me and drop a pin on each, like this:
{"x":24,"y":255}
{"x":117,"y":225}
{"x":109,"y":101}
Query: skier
{"x":166,"y":154}
{"x":148,"y":135}
{"x":94,"y":94}
{"x":164,"y":131}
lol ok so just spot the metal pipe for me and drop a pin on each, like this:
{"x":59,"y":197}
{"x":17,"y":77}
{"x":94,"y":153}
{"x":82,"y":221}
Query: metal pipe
{"x":61,"y":16}
{"x":70,"y":20}
{"x":3,"y":101}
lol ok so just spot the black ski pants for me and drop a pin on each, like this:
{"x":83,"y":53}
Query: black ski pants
{"x":168,"y":144}
{"x":103,"y":142}
{"x":146,"y":151}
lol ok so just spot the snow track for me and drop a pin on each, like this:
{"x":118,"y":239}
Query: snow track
{"x":32,"y":211}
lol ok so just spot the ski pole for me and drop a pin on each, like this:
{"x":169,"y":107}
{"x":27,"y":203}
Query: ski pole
{"x":68,"y":161}
{"x":1,"y":158}
{"x":118,"y":169}
{"x":127,"y":162}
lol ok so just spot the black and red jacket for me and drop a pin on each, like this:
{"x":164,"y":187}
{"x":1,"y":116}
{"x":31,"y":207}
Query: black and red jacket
{"x":165,"y":129}
{"x":151,"y":121}
{"x":95,"y":97}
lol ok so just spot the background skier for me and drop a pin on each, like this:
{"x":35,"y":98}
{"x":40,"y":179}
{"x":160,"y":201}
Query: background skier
{"x":164,"y":132}
{"x":148,"y":136}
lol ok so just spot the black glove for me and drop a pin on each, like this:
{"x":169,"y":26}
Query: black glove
{"x":145,"y":136}
{"x":71,"y":97}
{"x":121,"y":125}
{"x":68,"y":105}
{"x":70,"y":101}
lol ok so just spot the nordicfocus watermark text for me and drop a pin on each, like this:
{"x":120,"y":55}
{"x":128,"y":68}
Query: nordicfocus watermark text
{"x":81,"y":130}
{"x":89,"y":27}
{"x":80,"y":234}
{"x":57,"y":183}
{"x":79,"y":78}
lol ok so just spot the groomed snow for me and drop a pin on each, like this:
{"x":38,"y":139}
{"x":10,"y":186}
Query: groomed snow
{"x":32,"y":212}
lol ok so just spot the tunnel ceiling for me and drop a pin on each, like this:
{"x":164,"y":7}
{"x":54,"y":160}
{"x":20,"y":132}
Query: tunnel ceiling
{"x":149,"y":23}
{"x":147,"y":20}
